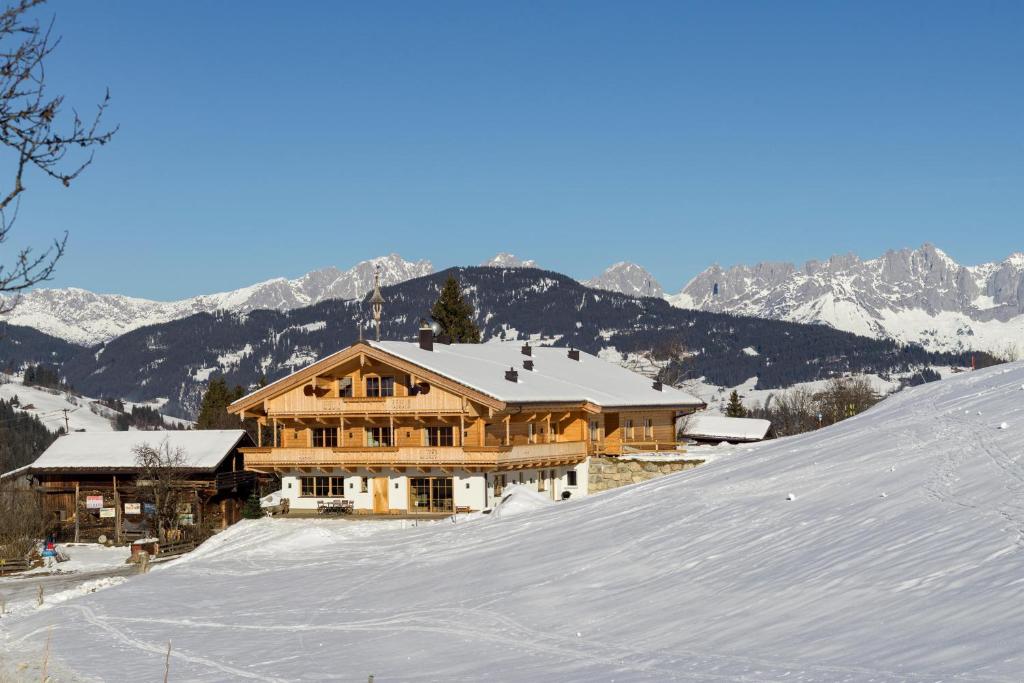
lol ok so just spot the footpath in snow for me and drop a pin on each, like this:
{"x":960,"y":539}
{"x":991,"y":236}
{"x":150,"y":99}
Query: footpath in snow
{"x":899,"y":556}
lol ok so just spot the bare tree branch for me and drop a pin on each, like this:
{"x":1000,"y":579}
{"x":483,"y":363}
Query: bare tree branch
{"x":32,"y":128}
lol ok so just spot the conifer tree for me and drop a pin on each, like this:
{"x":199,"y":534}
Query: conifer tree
{"x":735,"y":407}
{"x":213,"y":412}
{"x":455,"y":315}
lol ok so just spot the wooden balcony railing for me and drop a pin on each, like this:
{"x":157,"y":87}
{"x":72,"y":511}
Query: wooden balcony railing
{"x":293,"y":404}
{"x":471,"y":456}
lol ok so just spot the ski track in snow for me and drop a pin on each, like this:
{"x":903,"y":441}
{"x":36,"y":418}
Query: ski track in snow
{"x":709,"y":574}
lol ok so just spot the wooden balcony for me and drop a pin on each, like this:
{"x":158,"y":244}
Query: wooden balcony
{"x":470,"y":457}
{"x":293,"y":405}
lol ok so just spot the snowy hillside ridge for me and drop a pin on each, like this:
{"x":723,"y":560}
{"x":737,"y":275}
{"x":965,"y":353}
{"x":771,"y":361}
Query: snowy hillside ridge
{"x":506,"y":260}
{"x":889,"y":547}
{"x":83,"y":413}
{"x":920,"y":296}
{"x":88,"y":318}
{"x":627,"y":278}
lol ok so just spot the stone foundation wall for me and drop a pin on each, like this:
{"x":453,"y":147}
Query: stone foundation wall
{"x":609,"y":473}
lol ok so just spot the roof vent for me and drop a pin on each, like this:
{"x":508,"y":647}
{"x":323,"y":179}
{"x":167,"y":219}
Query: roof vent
{"x":527,"y":349}
{"x":511,"y":375}
{"x":656,"y":385}
{"x":574,"y":354}
{"x":528,"y":365}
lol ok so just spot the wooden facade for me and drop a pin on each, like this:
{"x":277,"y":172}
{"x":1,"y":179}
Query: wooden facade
{"x":73,"y":497}
{"x":377,"y":423}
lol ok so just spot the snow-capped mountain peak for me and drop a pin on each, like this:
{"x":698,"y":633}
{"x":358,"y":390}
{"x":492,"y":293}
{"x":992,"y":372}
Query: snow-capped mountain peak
{"x":913,"y":295}
{"x":627,"y":278}
{"x":87,"y":318}
{"x":506,"y":260}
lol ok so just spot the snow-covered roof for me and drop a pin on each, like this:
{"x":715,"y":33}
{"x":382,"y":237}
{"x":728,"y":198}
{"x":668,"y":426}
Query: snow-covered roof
{"x":203,"y":449}
{"x":726,"y":428}
{"x":555,"y":377}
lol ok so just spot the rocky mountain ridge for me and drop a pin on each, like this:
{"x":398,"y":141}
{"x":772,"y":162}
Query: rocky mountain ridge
{"x":910,"y":295}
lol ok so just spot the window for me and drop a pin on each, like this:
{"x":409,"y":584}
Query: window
{"x":570,"y":478}
{"x":499,"y":484}
{"x":378,"y":437}
{"x":440,"y":436}
{"x":531,"y":433}
{"x":364,"y":485}
{"x":345,"y":387}
{"x":380,"y":386}
{"x":542,"y":483}
{"x":648,"y":428}
{"x":322,"y":486}
{"x":325,"y":437}
{"x":595,"y":430}
{"x":628,"y":429}
{"x":430,"y":494}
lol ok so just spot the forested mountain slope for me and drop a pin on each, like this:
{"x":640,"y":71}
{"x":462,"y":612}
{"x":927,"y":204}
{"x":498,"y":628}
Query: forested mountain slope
{"x":173,"y":360}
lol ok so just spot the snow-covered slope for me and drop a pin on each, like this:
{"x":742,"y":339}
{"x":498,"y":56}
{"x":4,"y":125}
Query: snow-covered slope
{"x":921,"y":296}
{"x":627,"y":278}
{"x":83,"y":413}
{"x":899,"y":556}
{"x":87,"y":318}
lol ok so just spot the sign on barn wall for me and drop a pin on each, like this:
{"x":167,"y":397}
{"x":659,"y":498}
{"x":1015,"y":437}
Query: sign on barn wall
{"x":133,"y":508}
{"x":93,"y":502}
{"x":106,"y":512}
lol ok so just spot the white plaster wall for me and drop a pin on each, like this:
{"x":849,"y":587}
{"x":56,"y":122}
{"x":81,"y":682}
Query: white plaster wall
{"x":469,"y":489}
{"x":398,"y":492}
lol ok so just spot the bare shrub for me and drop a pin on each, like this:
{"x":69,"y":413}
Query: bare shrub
{"x":162,"y":479}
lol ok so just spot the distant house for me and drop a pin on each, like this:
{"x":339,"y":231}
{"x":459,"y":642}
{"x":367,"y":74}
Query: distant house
{"x":714,"y":429}
{"x":400,"y":427}
{"x":88,"y":480}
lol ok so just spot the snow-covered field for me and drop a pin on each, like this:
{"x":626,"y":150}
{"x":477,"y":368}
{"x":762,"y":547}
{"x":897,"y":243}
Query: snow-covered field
{"x":889,"y":547}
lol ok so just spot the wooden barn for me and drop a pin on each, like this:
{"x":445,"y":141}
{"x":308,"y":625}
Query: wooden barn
{"x":90,"y":481}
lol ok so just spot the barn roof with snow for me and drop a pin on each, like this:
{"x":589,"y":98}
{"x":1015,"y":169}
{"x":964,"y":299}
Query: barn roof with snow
{"x":203,"y":449}
{"x":721,"y":428}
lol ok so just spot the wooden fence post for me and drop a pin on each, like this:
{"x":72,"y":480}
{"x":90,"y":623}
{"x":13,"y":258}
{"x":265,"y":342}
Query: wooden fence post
{"x":117,"y":513}
{"x":76,"y":512}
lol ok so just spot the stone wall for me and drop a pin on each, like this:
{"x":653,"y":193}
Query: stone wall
{"x":609,"y":473}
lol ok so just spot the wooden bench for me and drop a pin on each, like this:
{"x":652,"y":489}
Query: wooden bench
{"x":10,"y":565}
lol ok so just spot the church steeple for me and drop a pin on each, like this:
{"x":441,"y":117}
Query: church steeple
{"x":377,"y":300}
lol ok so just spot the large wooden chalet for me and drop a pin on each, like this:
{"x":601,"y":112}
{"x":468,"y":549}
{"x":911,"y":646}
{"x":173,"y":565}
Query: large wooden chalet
{"x":405,"y":427}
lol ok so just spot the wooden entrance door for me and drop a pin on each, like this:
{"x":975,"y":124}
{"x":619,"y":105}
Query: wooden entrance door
{"x":380,"y":495}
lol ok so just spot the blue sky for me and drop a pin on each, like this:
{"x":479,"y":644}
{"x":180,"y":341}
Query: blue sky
{"x":265,"y":139}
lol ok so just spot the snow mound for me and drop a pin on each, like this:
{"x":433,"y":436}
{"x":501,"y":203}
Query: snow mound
{"x":706,"y":574}
{"x":271,"y":499}
{"x":518,"y":500}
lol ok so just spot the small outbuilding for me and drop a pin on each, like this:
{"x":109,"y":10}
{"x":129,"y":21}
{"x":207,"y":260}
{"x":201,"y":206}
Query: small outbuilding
{"x":91,"y":483}
{"x":715,"y":429}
